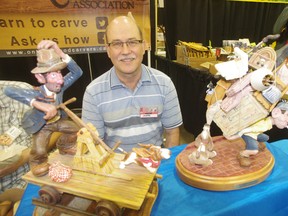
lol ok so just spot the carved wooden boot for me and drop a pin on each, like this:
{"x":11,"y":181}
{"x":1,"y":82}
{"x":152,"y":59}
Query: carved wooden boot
{"x":40,"y":169}
{"x":244,"y":161}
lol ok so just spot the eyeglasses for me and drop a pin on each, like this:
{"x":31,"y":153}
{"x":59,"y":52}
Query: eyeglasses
{"x":129,"y":43}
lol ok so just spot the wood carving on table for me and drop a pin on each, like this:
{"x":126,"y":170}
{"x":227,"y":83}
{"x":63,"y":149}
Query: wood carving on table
{"x":248,"y":100}
{"x":97,"y":178}
{"x":147,"y":155}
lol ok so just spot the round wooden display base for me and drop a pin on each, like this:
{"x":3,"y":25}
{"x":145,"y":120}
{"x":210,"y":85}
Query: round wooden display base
{"x":225,"y":173}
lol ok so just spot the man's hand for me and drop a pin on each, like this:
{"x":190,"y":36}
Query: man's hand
{"x":48,"y":44}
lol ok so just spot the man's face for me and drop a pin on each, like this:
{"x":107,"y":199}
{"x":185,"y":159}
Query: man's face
{"x":281,"y":121}
{"x":54,"y":81}
{"x":126,"y":59}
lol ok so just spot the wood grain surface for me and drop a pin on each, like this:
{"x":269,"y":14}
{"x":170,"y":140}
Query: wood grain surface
{"x":129,"y":193}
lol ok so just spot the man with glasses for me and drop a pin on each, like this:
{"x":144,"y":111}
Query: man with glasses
{"x":131,"y":102}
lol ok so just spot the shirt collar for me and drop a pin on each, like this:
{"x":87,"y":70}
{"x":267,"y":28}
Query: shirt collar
{"x":48,"y":92}
{"x":115,"y":82}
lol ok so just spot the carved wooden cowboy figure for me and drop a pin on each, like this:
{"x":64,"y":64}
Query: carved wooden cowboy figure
{"x":44,"y":118}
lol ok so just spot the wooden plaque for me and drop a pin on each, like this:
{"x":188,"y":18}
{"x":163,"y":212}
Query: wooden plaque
{"x":225,"y":173}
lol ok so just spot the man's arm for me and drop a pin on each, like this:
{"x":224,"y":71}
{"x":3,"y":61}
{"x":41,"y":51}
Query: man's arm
{"x":172,"y":137}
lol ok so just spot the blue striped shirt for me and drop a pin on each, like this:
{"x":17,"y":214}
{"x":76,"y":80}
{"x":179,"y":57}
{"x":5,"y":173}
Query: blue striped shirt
{"x":132,"y":117}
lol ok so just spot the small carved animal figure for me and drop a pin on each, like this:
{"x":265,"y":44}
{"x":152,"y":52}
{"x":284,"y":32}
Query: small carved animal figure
{"x":204,"y":152}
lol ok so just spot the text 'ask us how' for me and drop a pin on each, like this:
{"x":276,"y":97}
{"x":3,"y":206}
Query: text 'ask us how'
{"x":68,"y":40}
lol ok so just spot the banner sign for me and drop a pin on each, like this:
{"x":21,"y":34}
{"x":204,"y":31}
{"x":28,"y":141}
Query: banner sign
{"x":78,"y":26}
{"x":264,"y":1}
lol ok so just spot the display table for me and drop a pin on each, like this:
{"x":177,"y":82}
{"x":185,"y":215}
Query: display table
{"x":176,"y":198}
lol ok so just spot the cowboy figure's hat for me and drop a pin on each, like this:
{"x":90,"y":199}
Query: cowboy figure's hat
{"x":48,"y":61}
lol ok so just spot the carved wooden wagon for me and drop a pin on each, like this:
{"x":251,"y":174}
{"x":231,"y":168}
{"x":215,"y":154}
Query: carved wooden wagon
{"x":96,"y":180}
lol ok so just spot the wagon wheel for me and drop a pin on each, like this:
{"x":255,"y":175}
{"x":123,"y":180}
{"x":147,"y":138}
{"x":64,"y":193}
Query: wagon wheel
{"x":107,"y":208}
{"x":49,"y":195}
